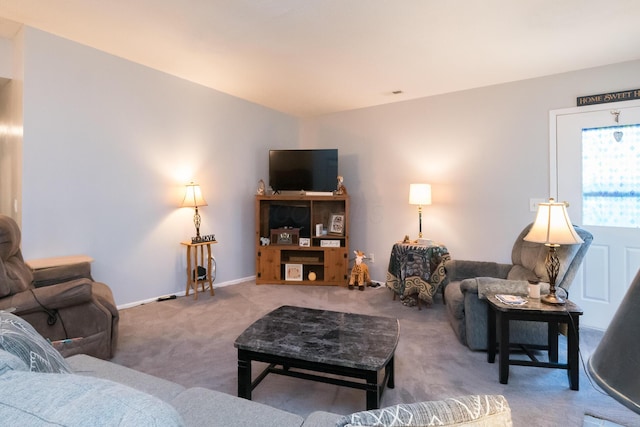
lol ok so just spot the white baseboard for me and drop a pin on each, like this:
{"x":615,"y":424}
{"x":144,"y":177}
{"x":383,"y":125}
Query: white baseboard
{"x":182,"y":293}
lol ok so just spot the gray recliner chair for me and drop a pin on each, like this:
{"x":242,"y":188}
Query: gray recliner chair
{"x":64,"y":304}
{"x":470,"y":281}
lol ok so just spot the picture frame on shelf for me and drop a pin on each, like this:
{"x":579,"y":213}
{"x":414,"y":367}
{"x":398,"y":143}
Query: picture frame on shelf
{"x":293,"y":272}
{"x":285,"y":236}
{"x":305,"y":242}
{"x":336,"y":224}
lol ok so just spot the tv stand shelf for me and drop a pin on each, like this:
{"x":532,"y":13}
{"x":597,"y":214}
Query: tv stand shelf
{"x":295,"y":264}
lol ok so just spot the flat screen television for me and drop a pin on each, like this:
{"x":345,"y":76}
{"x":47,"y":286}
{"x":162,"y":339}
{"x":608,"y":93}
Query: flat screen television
{"x":303,"y":170}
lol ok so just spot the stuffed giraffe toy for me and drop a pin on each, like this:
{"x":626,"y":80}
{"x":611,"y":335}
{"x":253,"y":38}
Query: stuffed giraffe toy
{"x":359,"y":272}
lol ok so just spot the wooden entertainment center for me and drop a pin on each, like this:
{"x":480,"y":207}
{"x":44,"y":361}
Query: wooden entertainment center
{"x":296,"y":253}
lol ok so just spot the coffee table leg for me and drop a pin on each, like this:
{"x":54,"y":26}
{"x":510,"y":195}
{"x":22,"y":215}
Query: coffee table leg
{"x":503,"y":325}
{"x":390,"y":368}
{"x":244,"y":375}
{"x":373,"y":390}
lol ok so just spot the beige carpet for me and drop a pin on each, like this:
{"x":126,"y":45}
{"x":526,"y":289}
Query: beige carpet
{"x":191,"y":342}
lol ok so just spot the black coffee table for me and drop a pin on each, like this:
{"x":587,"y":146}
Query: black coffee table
{"x":301,"y":342}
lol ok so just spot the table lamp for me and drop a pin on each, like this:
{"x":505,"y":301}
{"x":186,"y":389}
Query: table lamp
{"x":553,"y":228}
{"x":192,"y":199}
{"x":420,"y":194}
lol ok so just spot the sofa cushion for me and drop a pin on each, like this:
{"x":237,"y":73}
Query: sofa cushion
{"x":519,"y":272}
{"x":203,"y":407}
{"x":477,"y":410}
{"x":9,"y":362}
{"x":44,"y":399}
{"x":532,"y":256}
{"x":321,"y":419}
{"x":455,"y":299}
{"x":19,"y":338}
{"x":85,"y":365}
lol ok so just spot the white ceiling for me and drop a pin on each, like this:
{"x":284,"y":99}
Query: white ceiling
{"x":311,"y":57}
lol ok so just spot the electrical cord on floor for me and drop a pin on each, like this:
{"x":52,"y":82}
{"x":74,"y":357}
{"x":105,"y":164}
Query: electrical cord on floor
{"x":53,"y":315}
{"x":214,"y":269}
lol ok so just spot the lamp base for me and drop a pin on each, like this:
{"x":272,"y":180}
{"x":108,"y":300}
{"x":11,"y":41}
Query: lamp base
{"x":552,"y":299}
{"x":553,"y":266}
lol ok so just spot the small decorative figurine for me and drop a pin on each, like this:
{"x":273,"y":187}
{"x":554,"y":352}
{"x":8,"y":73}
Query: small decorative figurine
{"x":341,"y":189}
{"x":260,"y":191}
{"x":265,"y":241}
{"x":359,"y":272}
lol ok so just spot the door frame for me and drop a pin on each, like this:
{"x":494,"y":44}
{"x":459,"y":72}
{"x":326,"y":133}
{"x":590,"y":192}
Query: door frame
{"x":553,"y":135}
{"x":613,"y":298}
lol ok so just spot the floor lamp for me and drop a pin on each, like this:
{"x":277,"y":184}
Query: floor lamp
{"x":553,"y":228}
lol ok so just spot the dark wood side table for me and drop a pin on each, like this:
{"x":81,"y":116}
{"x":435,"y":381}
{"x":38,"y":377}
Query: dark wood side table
{"x":498,"y":335}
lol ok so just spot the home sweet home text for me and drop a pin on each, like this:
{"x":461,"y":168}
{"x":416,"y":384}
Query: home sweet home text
{"x":602,"y":98}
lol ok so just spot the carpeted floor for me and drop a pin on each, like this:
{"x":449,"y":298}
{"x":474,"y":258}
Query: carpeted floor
{"x":191,"y":342}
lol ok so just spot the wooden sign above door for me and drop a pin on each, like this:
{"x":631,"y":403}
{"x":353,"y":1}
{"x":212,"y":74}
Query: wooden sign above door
{"x":602,"y":98}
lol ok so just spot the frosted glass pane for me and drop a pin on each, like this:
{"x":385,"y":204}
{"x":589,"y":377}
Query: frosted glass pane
{"x":611,"y":176}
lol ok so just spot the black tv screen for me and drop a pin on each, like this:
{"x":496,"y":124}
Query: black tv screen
{"x":303,"y":170}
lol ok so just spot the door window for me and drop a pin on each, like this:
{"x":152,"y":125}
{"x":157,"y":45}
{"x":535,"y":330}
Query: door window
{"x":611,"y":176}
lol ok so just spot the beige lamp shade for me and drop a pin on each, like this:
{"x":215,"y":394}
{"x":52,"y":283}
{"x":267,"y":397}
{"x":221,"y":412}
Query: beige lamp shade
{"x":419,"y":194}
{"x":193,"y":197}
{"x":553,"y":226}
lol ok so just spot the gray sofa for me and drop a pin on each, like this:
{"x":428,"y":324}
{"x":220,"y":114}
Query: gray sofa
{"x":38,"y":387}
{"x":470,"y":281}
{"x":197,"y":406}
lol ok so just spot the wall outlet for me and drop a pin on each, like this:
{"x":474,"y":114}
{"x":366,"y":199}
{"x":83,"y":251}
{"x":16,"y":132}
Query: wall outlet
{"x":533,"y":204}
{"x":372,"y":257}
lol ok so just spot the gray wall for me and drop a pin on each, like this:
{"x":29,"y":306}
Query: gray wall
{"x":108,"y":147}
{"x":485,"y":152}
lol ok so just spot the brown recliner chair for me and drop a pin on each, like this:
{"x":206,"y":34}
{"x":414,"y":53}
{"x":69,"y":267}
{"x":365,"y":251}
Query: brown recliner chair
{"x":64,"y":304}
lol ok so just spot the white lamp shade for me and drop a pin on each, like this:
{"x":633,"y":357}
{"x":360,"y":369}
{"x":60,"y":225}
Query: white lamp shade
{"x":193,"y":197}
{"x":553,"y":226}
{"x":419,"y":194}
